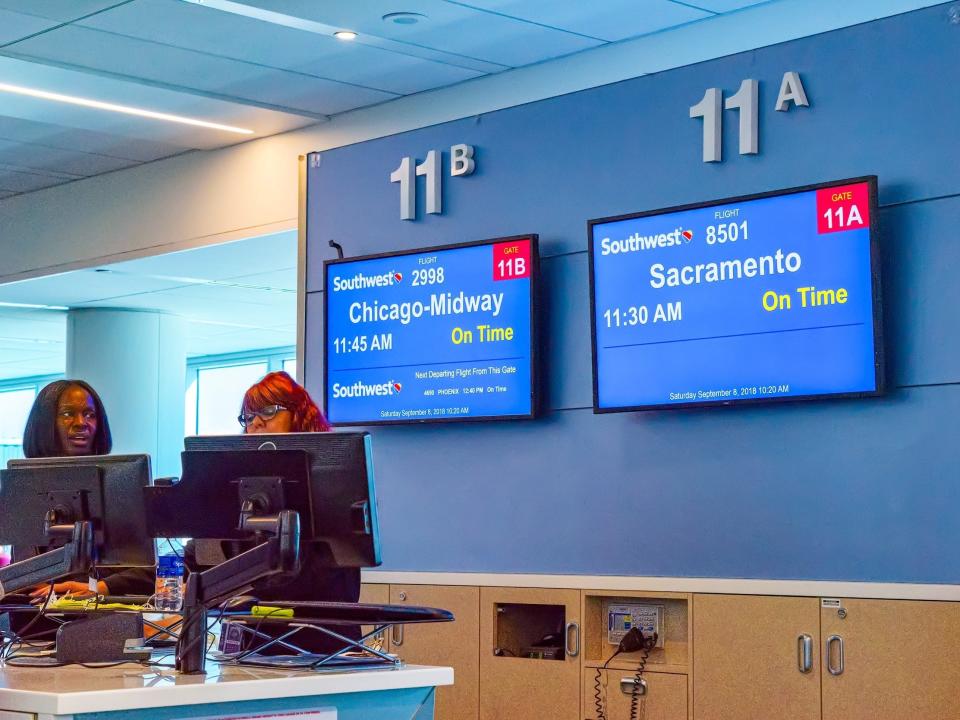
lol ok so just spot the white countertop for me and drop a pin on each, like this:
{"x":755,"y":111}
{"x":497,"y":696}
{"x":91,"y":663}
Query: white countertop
{"x":73,"y":689}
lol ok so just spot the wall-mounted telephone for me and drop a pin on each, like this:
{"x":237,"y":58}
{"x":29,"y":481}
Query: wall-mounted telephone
{"x":621,"y":617}
{"x":632,"y":628}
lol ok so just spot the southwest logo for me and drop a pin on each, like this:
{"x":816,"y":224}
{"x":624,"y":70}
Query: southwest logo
{"x":397,"y":386}
{"x":363,"y":282}
{"x":637,"y":242}
{"x":360,"y":389}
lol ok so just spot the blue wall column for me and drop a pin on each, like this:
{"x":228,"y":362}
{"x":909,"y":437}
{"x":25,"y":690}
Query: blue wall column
{"x":137,"y":363}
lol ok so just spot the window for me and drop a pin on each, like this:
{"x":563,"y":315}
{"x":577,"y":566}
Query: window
{"x":14,"y":408}
{"x":290,"y":367}
{"x":16,"y":399}
{"x":219,"y":392}
{"x":216,"y":384}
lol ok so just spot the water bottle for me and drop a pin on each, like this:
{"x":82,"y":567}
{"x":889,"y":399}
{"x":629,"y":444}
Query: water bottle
{"x":5,"y":555}
{"x":169,"y":588}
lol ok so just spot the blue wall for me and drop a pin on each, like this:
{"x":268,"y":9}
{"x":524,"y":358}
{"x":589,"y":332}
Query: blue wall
{"x":855,"y":490}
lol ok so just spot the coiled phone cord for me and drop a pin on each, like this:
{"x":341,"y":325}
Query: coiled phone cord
{"x":635,"y":643}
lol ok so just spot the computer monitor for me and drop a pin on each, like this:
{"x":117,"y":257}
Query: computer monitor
{"x":42,"y":498}
{"x":338,"y":508}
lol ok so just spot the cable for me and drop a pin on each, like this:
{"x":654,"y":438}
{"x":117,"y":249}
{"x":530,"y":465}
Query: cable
{"x":598,"y":687}
{"x":174,"y":548}
{"x":648,"y":645}
{"x":633,"y":641}
{"x":40,"y":613}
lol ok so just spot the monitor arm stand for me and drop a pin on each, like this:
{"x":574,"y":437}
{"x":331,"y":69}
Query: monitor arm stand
{"x":74,"y":557}
{"x":280,"y":553}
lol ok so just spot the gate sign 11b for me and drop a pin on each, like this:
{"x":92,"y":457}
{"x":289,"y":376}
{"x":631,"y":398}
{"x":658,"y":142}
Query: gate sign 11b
{"x":436,"y":334}
{"x":752,"y":299}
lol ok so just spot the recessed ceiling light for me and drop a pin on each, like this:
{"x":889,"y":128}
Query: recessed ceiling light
{"x":125,"y":109}
{"x":243,"y":9}
{"x":404,"y":18}
{"x":345,"y":35}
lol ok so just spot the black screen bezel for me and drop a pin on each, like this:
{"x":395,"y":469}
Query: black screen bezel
{"x":534,"y":331}
{"x":878,"y":348}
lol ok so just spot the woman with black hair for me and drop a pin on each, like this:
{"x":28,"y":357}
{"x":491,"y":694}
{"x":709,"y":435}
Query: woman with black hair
{"x":68,"y":420}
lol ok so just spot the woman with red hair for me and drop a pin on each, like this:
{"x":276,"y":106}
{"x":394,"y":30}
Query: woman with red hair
{"x":277,"y":404}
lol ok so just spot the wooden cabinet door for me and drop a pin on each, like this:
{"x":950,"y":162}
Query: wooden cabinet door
{"x":901,"y":659}
{"x":666,"y":695}
{"x":376,"y":594}
{"x":523,"y":687}
{"x":455,"y":644}
{"x":746,"y":658}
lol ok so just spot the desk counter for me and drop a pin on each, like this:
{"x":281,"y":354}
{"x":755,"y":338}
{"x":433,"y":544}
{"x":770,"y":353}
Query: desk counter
{"x":134,"y":692}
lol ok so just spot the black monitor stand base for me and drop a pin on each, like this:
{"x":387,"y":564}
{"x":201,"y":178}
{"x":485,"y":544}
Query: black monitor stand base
{"x":280,"y":553}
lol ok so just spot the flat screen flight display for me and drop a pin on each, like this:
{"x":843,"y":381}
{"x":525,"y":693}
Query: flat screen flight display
{"x":437,"y":334}
{"x":760,"y":298}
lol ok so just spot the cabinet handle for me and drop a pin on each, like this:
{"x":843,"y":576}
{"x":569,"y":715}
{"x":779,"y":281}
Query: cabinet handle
{"x":838,"y":670}
{"x":575,"y":650}
{"x":628,"y":683}
{"x":396,"y":635}
{"x":804,"y":653}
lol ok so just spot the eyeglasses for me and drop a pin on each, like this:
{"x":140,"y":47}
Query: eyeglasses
{"x":267,"y":413}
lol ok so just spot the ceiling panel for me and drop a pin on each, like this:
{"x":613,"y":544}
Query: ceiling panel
{"x":304,"y":92}
{"x":20,"y":181}
{"x":32,"y":365}
{"x":11,"y":355}
{"x":449,"y":27}
{"x":14,"y":25}
{"x":61,"y":10}
{"x":285,"y":279}
{"x":236,"y":341}
{"x":722,"y":6}
{"x":277,"y":251}
{"x":37,"y":326}
{"x":81,"y":286}
{"x":208,"y":302}
{"x":619,"y":19}
{"x":189,"y":70}
{"x":86,"y":141}
{"x":394,"y":72}
{"x":199,"y":28}
{"x":40,"y":157}
{"x":259,"y":309}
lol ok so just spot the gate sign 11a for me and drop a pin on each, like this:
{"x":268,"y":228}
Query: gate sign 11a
{"x":745,"y":101}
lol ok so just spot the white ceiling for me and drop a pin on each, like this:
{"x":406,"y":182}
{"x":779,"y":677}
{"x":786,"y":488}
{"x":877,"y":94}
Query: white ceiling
{"x":235,"y":297}
{"x":266,"y":65}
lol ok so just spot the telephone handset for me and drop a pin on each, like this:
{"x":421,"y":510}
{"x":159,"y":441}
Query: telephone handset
{"x":634,"y":640}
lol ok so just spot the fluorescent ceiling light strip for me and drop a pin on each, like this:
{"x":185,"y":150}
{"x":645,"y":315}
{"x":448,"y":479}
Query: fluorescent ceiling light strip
{"x":125,"y":109}
{"x":312,"y":26}
{"x":31,"y":306}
